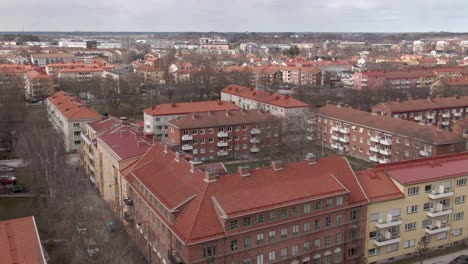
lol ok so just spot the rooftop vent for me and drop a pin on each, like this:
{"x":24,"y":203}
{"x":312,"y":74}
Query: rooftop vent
{"x":244,"y":171}
{"x":311,"y":158}
{"x":277,"y":165}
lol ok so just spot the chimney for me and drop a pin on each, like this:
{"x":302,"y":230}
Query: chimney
{"x":179,"y":155}
{"x":218,"y":101}
{"x":210,"y":176}
{"x":457,"y":96}
{"x":165,"y":148}
{"x":277,"y":165}
{"x":429,"y":99}
{"x":311,"y":158}
{"x":124,"y":120}
{"x":244,"y":171}
{"x":228,"y":113}
{"x":286,"y":96}
{"x":172,"y":104}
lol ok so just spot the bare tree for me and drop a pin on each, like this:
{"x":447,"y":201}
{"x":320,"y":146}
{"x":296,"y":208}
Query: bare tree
{"x":422,"y":249}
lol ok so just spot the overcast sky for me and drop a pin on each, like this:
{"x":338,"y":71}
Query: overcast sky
{"x":235,"y":15}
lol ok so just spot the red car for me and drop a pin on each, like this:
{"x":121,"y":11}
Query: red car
{"x":7,"y":179}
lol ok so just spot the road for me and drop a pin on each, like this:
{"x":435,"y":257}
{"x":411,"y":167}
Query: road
{"x":445,"y":258}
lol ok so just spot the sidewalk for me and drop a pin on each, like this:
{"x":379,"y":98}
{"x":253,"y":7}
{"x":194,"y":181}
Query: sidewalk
{"x":445,"y":258}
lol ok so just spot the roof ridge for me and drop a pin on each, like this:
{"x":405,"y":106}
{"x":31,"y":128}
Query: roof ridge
{"x":202,"y":197}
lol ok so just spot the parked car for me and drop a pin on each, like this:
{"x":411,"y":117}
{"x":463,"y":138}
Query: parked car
{"x":91,"y":247}
{"x":462,"y":259}
{"x":7,"y":179}
{"x":80,"y":227}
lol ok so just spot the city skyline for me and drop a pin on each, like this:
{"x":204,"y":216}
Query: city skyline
{"x":240,"y":16}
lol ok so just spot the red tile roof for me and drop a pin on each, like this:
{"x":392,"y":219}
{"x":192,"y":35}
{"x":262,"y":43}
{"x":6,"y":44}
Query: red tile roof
{"x":378,"y":186}
{"x":125,"y":142}
{"x":427,"y":169}
{"x":20,"y":242}
{"x":219,"y":118}
{"x":104,"y":123}
{"x":190,"y":107}
{"x":396,"y":126}
{"x":174,"y":184}
{"x":72,"y":108}
{"x":271,"y":98}
{"x":425,"y":104}
{"x":82,"y":69}
{"x":34,"y":75}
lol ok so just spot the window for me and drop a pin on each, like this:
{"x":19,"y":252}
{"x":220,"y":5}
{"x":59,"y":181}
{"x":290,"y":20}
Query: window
{"x":318,"y":205}
{"x":441,"y":236}
{"x":339,"y":219}
{"x":76,"y":124}
{"x":411,"y":209}
{"x":428,"y":188}
{"x":374,"y":252}
{"x":327,"y":240}
{"x":194,"y":131}
{"x":272,"y":215}
{"x":247,"y":221}
{"x":284,"y":213}
{"x":202,"y":141}
{"x":284,"y":232}
{"x":294,"y":211}
{"x":234,"y":224}
{"x":339,"y":200}
{"x":210,"y":130}
{"x":392,"y":247}
{"x":461,"y":182}
{"x":328,"y":221}
{"x":410,"y":226}
{"x":317,"y":224}
{"x":329,"y":203}
{"x":307,"y":208}
{"x":426,"y":222}
{"x":317,"y":243}
{"x":202,"y":131}
{"x":457,"y":232}
{"x":247,"y":241}
{"x":306,"y":227}
{"x":306,"y":246}
{"x":354,"y":215}
{"x":413,"y":190}
{"x":247,"y":261}
{"x":284,"y":252}
{"x":260,"y":219}
{"x":338,"y":238}
{"x":233,"y":245}
{"x":409,"y":243}
{"x":460,"y":199}
{"x":260,"y":259}
{"x":259,"y":239}
{"x":271,"y":256}
{"x":428,"y":206}
{"x":375,"y":216}
{"x":458,"y":216}
{"x":295,"y":230}
{"x":272,"y":235}
{"x":77,"y":133}
{"x":295,"y":250}
{"x":244,"y":127}
{"x":209,"y":251}
{"x":237,"y":128}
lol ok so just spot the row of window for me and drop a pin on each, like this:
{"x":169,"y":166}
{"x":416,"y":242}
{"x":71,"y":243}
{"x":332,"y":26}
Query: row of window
{"x":283,"y":253}
{"x":431,"y":187}
{"x":285,"y":212}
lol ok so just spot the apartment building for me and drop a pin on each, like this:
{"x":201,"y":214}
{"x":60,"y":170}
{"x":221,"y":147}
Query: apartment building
{"x":43,"y":59}
{"x":441,"y":112}
{"x":151,"y":75}
{"x":21,"y":242}
{"x":89,"y":154}
{"x":188,"y":214}
{"x":213,"y":135}
{"x":117,"y":149}
{"x":380,"y":139}
{"x":69,"y":115}
{"x":53,"y":69}
{"x":278,"y":105}
{"x":38,"y":85}
{"x":80,"y":74}
{"x":461,"y":127}
{"x":156,"y":117}
{"x":415,"y":200}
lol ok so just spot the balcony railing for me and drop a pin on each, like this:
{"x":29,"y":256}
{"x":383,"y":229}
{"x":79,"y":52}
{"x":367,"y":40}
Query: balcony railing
{"x":394,"y":221}
{"x":458,"y":114}
{"x":384,"y":161}
{"x":255,"y":131}
{"x":418,"y":118}
{"x":375,"y":139}
{"x":386,"y":152}
{"x":187,"y":147}
{"x":431,"y":230}
{"x":255,"y":140}
{"x":440,"y":212}
{"x":383,"y":241}
{"x":222,"y":153}
{"x":386,"y":142}
{"x":446,"y":115}
{"x":439,"y":195}
{"x":254,"y":149}
{"x":374,"y":158}
{"x":430,"y":116}
{"x":344,"y":139}
{"x":311,"y":122}
{"x":222,"y":143}
{"x":334,"y":146}
{"x":222,"y":134}
{"x":334,"y":129}
{"x":344,"y":130}
{"x":187,"y":137}
{"x":445,"y":123}
{"x":375,"y":149}
{"x":425,"y":153}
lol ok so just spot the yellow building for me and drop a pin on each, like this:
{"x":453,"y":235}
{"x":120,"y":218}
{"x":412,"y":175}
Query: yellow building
{"x":413,"y":201}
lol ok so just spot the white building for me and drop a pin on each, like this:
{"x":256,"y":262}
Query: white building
{"x":42,"y":60}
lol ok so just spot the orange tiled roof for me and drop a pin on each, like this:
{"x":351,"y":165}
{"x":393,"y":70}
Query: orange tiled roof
{"x":82,"y":69}
{"x":72,"y":108}
{"x":396,"y":126}
{"x":425,"y":104}
{"x":20,"y":242}
{"x":190,"y":107}
{"x":271,"y":98}
{"x":378,"y":186}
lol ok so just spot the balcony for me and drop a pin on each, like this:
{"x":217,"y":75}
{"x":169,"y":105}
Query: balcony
{"x":128,"y":201}
{"x":374,"y":158}
{"x":440,"y":212}
{"x":254,"y":149}
{"x":457,"y":114}
{"x":375,"y":139}
{"x":432,"y":230}
{"x":187,"y":137}
{"x":255,"y":140}
{"x":187,"y":147}
{"x":384,"y":161}
{"x":222,"y":134}
{"x":334,"y":146}
{"x":222,"y":153}
{"x":439,"y":195}
{"x":255,"y":131}
{"x":385,"y":241}
{"x":310,"y":138}
{"x":375,"y":149}
{"x":445,"y":123}
{"x":344,"y":130}
{"x":394,"y":221}
{"x":418,"y":118}
{"x":445,"y":115}
{"x":430,"y":116}
{"x":386,"y":142}
{"x":311,"y":122}
{"x":86,"y":139}
{"x":344,"y":139}
{"x":336,"y":129}
{"x":222,"y":143}
{"x":386,"y":152}
{"x":334,"y":137}
{"x":425,"y":153}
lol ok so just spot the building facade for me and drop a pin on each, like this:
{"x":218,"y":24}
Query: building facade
{"x":441,"y":112}
{"x":69,"y":116}
{"x":212,"y":135}
{"x":42,"y":60}
{"x":380,"y":139}
{"x":320,"y":220}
